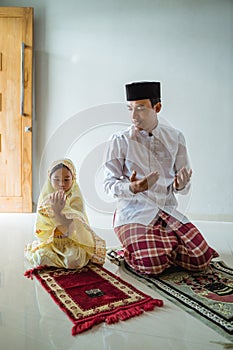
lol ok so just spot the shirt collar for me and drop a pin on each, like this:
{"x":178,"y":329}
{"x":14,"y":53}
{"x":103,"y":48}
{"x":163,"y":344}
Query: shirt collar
{"x":155,"y":131}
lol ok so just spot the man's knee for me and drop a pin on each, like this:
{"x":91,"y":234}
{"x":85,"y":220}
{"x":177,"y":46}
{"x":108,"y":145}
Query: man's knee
{"x":147,"y":264}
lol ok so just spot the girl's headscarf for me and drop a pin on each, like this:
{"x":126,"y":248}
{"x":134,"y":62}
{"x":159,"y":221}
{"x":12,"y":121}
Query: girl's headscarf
{"x":73,"y":195}
{"x":80,"y":231}
{"x":67,"y":162}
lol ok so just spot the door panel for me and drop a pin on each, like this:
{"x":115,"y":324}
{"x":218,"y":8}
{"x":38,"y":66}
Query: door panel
{"x":16,"y":26}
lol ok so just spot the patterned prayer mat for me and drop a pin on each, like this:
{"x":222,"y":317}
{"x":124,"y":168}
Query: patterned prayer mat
{"x":207,"y":295}
{"x":92,"y":295}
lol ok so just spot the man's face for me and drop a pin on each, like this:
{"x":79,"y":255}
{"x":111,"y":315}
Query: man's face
{"x":143,"y":116}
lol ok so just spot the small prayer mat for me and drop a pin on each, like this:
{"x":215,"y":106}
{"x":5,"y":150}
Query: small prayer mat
{"x":92,"y":295}
{"x":207,"y":295}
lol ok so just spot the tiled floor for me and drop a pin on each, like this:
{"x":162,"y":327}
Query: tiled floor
{"x":30,"y":320}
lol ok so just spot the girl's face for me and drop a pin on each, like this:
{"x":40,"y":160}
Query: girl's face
{"x":61,"y":180}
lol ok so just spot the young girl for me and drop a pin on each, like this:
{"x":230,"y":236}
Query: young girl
{"x":65,"y":238}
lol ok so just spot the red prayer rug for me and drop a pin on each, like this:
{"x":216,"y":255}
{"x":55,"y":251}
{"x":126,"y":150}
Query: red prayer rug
{"x":207,"y":295}
{"x":92,"y":295}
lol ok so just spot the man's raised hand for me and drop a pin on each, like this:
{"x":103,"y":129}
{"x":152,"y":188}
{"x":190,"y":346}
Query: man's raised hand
{"x":144,"y":183}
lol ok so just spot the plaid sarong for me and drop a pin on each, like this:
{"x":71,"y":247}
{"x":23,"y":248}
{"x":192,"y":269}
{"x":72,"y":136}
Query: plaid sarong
{"x":164,"y":243}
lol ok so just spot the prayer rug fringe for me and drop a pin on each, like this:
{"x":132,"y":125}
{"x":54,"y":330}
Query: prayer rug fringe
{"x":30,"y":273}
{"x":122,"y":315}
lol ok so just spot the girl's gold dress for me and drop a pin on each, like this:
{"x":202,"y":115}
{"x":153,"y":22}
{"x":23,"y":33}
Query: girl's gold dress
{"x":81,"y":244}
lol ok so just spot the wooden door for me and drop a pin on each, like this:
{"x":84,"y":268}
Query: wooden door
{"x":16,"y":51}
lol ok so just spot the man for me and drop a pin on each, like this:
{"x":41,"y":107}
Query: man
{"x":145,"y":166}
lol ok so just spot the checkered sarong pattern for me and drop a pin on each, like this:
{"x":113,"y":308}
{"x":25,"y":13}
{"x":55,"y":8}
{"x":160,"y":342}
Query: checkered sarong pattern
{"x":164,"y":243}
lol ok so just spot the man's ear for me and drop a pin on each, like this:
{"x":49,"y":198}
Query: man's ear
{"x":158,"y":107}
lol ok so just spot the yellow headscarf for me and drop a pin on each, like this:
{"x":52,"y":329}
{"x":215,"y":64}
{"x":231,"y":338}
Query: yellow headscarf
{"x":79,"y":231}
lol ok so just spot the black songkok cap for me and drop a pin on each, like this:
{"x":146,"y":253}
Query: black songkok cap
{"x":142,"y":90}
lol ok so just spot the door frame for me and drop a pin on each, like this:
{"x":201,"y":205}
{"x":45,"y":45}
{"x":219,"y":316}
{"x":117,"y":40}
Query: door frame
{"x":23,"y":203}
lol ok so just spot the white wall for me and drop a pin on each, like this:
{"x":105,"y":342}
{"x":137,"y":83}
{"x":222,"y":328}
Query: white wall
{"x":85,"y":51}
